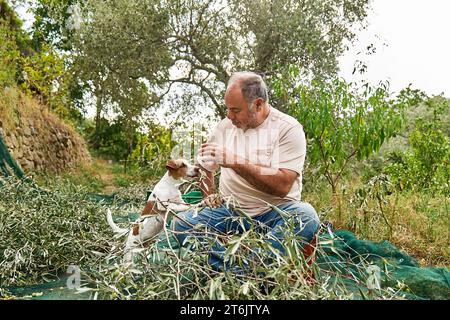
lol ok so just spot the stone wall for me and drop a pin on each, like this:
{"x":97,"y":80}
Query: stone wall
{"x":39,"y":141}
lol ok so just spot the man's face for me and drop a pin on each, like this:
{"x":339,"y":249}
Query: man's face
{"x":238,"y":109}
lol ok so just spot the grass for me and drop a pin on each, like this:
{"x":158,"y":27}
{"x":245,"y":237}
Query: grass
{"x":15,"y":105}
{"x":103,"y":176}
{"x":9,"y":107}
{"x":415,"y":222}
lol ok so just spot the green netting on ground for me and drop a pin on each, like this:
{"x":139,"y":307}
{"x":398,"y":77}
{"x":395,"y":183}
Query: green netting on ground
{"x":344,"y":251}
{"x":8,"y":166}
{"x":53,"y":290}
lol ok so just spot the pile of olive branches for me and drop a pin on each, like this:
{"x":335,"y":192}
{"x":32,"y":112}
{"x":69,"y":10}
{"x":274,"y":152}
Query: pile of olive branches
{"x":43,"y":232}
{"x":258,"y":271}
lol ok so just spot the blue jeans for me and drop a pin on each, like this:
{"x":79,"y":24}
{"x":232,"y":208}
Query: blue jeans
{"x":222,"y":220}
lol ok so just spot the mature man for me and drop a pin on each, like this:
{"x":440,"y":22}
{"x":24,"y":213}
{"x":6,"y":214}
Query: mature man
{"x":260,"y":152}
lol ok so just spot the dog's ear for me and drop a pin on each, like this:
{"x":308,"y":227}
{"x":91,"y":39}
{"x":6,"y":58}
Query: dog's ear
{"x":172,"y":164}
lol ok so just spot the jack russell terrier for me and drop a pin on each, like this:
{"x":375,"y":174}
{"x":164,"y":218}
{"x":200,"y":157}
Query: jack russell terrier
{"x":165,"y":197}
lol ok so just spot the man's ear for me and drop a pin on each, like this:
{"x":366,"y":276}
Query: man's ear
{"x":259,"y":102}
{"x":171,"y":164}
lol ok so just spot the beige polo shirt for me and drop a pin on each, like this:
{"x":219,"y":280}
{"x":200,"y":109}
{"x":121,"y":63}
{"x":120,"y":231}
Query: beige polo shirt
{"x":279,"y":142}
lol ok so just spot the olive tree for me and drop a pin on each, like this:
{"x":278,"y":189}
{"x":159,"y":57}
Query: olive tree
{"x":210,"y":39}
{"x":206,"y":40}
{"x":118,"y":44}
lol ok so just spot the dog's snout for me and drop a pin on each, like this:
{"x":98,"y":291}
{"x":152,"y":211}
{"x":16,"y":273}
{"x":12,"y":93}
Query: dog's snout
{"x":193,"y":171}
{"x":196,"y":171}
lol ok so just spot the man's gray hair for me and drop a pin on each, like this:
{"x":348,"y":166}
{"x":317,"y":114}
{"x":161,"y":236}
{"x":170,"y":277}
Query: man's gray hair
{"x":252,"y":85}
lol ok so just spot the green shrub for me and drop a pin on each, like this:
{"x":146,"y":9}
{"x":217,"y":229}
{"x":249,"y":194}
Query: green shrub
{"x":341,"y":124}
{"x":9,"y":56}
{"x":425,"y":166}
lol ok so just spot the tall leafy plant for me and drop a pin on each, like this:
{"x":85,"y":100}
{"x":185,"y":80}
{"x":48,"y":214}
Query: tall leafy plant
{"x":425,"y":165}
{"x":341,"y":124}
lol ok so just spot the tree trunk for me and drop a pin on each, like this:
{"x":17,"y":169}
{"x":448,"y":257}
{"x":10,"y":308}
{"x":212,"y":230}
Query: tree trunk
{"x":336,"y":201}
{"x":98,"y":112}
{"x":130,"y":131}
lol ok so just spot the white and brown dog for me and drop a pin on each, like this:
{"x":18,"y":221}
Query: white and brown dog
{"x":165,"y":197}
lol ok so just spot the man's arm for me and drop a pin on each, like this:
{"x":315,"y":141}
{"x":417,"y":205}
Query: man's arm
{"x":278,"y":183}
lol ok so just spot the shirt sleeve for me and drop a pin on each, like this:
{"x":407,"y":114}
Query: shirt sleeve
{"x":290,"y":152}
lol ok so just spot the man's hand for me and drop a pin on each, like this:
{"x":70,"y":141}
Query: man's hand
{"x":212,"y":201}
{"x":273,"y":181}
{"x":212,"y":152}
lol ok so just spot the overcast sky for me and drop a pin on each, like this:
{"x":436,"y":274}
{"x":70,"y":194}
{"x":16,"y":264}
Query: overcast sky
{"x":416,"y":34}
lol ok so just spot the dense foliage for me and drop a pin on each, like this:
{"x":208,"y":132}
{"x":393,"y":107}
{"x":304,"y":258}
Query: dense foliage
{"x":425,"y":165}
{"x":340,"y":123}
{"x":57,"y":228}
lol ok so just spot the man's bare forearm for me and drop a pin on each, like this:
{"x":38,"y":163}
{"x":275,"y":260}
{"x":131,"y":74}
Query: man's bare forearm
{"x":274,"y":184}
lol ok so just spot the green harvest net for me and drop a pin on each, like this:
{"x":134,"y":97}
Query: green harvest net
{"x":8,"y":166}
{"x":340,"y":252}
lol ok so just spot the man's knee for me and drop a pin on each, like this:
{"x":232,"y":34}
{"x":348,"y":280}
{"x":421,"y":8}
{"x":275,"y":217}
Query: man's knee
{"x":308,"y":222}
{"x":311,"y":220}
{"x":309,"y":210}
